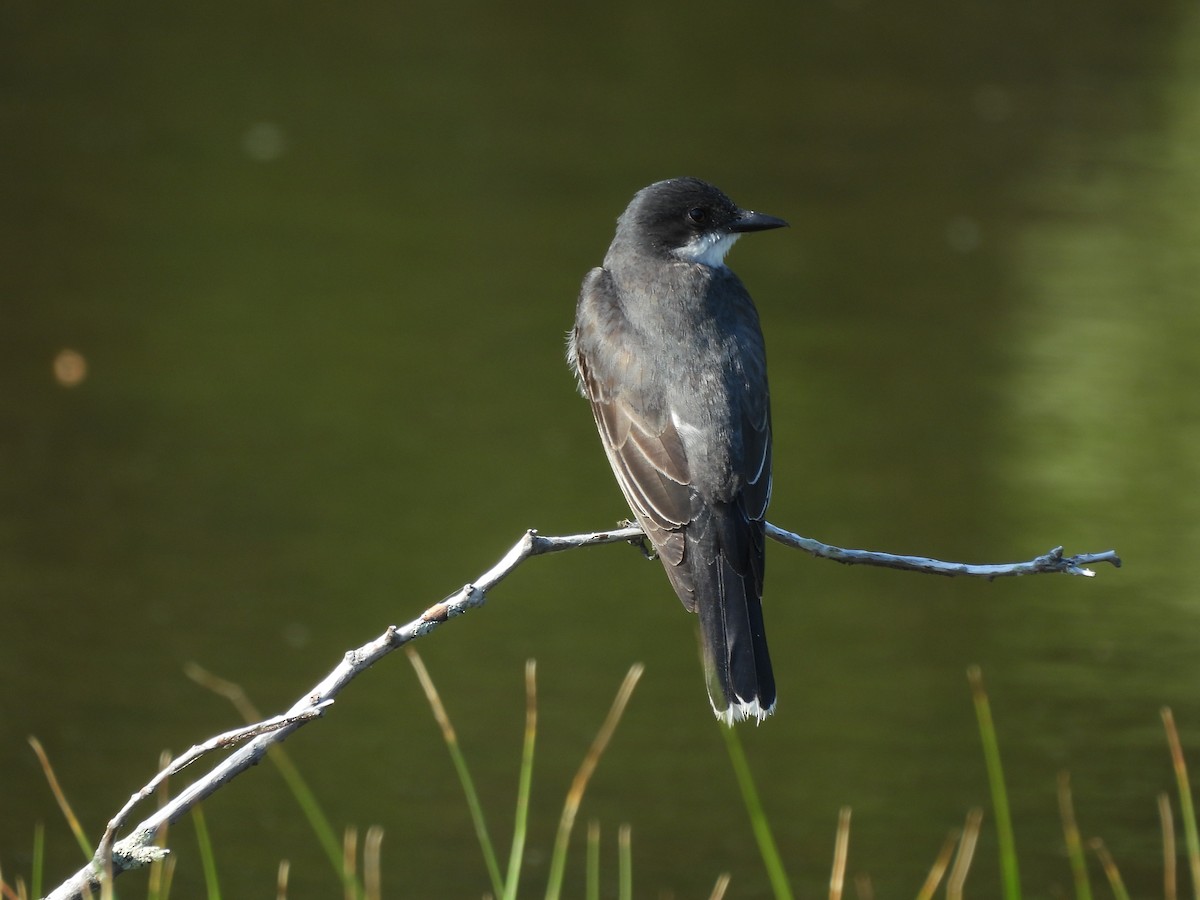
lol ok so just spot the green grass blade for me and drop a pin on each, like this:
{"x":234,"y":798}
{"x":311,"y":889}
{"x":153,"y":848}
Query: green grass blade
{"x":281,"y":879}
{"x":1167,"y":823}
{"x":966,"y":853}
{"x":349,"y":862}
{"x":841,"y":851}
{"x":157,"y":883}
{"x":450,"y":738}
{"x":208,"y":860}
{"x":592,"y":891}
{"x":1186,"y":809}
{"x":168,"y":875}
{"x":938,"y":870}
{"x":1110,"y":869}
{"x":1009,"y":873}
{"x":758,"y":819}
{"x":1075,"y":854}
{"x":61,"y":798}
{"x":625,"y":863}
{"x":524,"y":785}
{"x":719,"y":889}
{"x":373,"y":863}
{"x":558,"y":861}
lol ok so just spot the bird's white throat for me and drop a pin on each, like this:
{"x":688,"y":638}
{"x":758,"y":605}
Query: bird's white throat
{"x":708,"y":249}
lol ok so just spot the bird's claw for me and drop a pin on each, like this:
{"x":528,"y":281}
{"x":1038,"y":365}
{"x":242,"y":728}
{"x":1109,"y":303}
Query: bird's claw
{"x":641,"y":542}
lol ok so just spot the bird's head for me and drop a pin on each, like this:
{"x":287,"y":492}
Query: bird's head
{"x":690,"y":220}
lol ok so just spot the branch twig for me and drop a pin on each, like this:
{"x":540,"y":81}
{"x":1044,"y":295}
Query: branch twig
{"x":137,"y":849}
{"x":1054,"y":561}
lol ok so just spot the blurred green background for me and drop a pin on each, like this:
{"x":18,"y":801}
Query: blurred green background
{"x":282,"y":305}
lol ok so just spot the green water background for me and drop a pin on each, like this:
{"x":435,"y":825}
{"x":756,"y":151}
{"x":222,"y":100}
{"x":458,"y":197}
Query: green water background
{"x":319,"y":260}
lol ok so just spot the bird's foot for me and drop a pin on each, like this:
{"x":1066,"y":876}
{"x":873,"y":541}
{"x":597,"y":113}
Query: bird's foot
{"x":641,"y":542}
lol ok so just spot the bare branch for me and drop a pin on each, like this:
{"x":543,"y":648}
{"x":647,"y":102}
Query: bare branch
{"x":252,"y":742}
{"x":1054,"y":561}
{"x":179,"y":763}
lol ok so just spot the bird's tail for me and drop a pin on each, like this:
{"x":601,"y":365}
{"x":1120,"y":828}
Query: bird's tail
{"x":727,"y":576}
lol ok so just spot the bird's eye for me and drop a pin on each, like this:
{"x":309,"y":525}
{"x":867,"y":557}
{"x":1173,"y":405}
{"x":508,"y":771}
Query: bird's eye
{"x":698,"y":215}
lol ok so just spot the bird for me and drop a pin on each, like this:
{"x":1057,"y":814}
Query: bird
{"x":667,"y":348}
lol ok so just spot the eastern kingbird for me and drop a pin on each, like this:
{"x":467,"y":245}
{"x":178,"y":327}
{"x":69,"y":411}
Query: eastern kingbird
{"x":667,"y":348}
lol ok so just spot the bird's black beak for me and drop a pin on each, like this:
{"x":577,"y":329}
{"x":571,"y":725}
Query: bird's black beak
{"x":748,"y":220}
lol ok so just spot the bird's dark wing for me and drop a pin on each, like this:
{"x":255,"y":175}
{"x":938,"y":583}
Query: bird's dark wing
{"x":752,"y":465}
{"x":642,"y":442}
